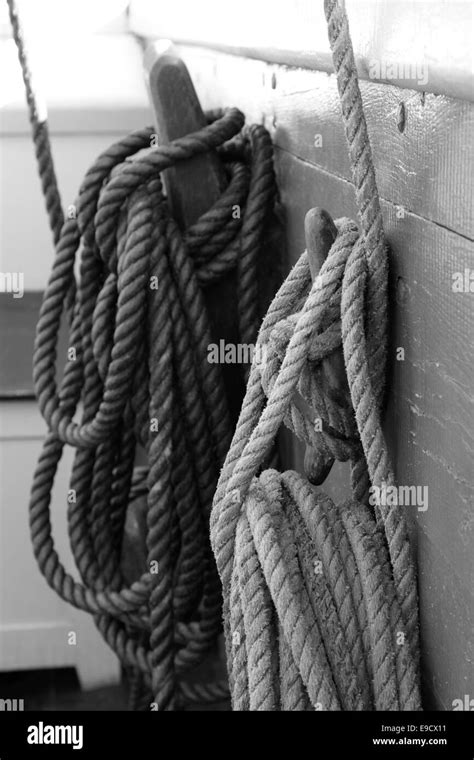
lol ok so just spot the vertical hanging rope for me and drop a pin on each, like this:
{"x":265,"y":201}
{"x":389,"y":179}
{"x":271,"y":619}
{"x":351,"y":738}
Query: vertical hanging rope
{"x":137,"y":377}
{"x":40,"y":131}
{"x":370,"y":270}
{"x":365,"y":185}
{"x":320,"y":604}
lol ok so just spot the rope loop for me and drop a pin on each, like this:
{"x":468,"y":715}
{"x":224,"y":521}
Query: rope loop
{"x":270,"y":530}
{"x":137,"y":372}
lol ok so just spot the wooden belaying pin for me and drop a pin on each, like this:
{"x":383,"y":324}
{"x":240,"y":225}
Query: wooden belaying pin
{"x":320,"y":234}
{"x":193,"y":185}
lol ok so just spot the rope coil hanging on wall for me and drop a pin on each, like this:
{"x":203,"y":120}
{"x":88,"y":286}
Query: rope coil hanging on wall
{"x":320,"y":601}
{"x":139,"y":333}
{"x":320,"y":606}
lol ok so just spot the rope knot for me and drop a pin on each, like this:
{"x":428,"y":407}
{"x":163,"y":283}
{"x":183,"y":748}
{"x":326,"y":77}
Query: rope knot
{"x":320,"y":412}
{"x":285,"y":552}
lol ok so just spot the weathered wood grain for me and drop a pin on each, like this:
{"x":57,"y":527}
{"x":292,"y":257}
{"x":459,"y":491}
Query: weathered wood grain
{"x":428,"y":168}
{"x":447,"y":624}
{"x":429,"y":422}
{"x":425,"y":177}
{"x":430,"y":415}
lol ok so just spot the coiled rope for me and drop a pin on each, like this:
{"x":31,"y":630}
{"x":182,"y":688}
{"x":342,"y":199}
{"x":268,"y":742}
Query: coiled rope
{"x":320,"y":601}
{"x":138,"y":340}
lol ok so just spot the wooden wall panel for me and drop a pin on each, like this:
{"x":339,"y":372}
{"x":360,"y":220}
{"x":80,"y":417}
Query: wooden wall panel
{"x":427,"y":168}
{"x":447,"y":625}
{"x":429,"y":422}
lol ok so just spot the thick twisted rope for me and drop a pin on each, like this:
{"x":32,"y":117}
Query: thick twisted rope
{"x":137,"y":375}
{"x":320,"y":604}
{"x":40,"y":131}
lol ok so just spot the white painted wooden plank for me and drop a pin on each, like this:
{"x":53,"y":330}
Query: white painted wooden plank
{"x":420,"y":44}
{"x":29,"y":646}
{"x":35,"y":622}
